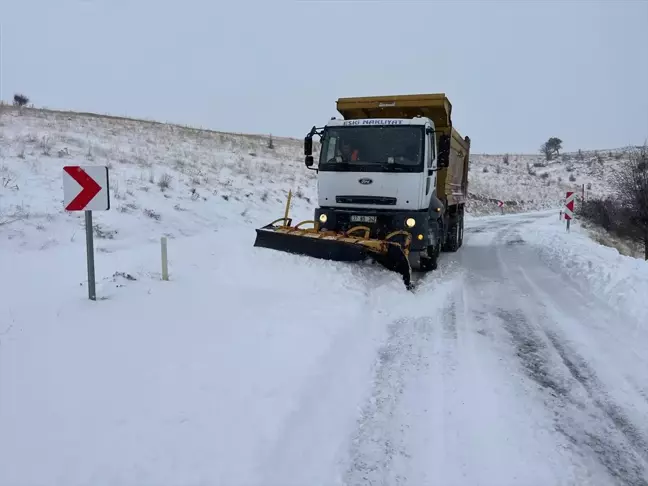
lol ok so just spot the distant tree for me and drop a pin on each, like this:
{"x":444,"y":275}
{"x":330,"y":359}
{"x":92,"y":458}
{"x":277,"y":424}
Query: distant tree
{"x":546,"y":151}
{"x":270,"y":143}
{"x":20,"y":100}
{"x":631,"y":186}
{"x":551,"y":147}
{"x":555,"y":144}
{"x":580,"y":155}
{"x":505,"y":159}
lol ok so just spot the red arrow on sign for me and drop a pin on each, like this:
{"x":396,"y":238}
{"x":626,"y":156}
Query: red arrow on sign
{"x":89,"y":186}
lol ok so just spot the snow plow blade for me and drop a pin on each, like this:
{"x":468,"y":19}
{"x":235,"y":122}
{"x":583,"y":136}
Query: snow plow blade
{"x":331,"y":245}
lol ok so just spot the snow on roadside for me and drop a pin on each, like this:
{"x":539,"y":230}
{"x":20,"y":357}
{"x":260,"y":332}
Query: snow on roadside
{"x":186,"y":381}
{"x":218,"y":376}
{"x":620,"y":280}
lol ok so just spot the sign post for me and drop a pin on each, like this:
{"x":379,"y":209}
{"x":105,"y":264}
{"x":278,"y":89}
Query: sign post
{"x":86,"y":189}
{"x":569,"y":207}
{"x":500,"y":204}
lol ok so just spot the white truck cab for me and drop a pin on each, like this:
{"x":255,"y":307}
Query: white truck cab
{"x":393,"y":163}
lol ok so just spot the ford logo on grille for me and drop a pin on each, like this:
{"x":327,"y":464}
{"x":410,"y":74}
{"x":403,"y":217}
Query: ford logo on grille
{"x":365,"y":181}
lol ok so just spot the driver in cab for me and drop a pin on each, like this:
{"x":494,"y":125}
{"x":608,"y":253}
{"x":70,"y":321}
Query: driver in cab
{"x":346,"y":154}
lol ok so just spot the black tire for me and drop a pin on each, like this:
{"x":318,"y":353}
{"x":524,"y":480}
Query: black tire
{"x":461,"y":228}
{"x":431,"y":263}
{"x":452,"y":242}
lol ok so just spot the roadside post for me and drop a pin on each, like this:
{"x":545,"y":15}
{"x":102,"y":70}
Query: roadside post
{"x":165,"y":261}
{"x":86,"y":188}
{"x":500,"y":204}
{"x":569,"y":207}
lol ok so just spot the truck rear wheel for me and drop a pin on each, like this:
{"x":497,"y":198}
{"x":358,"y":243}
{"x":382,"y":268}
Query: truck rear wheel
{"x":453,"y":241}
{"x":461,"y":228}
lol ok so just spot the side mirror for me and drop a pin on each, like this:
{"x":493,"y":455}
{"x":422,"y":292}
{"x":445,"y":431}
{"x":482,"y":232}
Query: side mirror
{"x":308,"y":145}
{"x":309,"y":161}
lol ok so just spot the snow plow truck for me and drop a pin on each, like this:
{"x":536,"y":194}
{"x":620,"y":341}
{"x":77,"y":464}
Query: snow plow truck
{"x":392,"y":182}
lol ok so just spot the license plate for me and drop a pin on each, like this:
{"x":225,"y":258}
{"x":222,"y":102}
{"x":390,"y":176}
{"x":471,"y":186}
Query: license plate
{"x":357,"y":218}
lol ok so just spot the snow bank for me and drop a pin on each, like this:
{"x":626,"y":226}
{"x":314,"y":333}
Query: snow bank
{"x":620,"y":280}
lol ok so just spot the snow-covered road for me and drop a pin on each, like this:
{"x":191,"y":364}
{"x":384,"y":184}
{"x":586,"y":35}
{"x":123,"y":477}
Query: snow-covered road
{"x":499,"y":370}
{"x":517,"y":378}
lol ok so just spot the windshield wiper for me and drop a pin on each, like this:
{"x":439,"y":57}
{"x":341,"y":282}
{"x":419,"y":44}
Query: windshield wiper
{"x":392,"y":167}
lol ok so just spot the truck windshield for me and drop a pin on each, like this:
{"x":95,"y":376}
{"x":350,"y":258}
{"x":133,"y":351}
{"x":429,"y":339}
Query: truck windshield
{"x":378,"y":148}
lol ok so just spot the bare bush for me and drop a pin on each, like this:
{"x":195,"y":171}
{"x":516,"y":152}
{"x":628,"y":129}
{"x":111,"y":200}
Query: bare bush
{"x":498,"y":169}
{"x":505,"y":159}
{"x":485,"y":170}
{"x":164,"y":182}
{"x":103,"y":233}
{"x":544,"y":175}
{"x":20,"y":100}
{"x":631,"y":187}
{"x":152,"y":214}
{"x":572,"y":178}
{"x":46,"y":145}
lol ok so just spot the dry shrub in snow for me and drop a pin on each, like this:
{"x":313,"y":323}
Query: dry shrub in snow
{"x":164,"y":182}
{"x":152,"y":214}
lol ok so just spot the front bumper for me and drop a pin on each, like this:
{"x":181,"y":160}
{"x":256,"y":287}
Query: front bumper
{"x":385,"y":223}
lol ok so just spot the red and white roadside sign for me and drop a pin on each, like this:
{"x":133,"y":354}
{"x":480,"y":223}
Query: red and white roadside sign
{"x":569,"y":205}
{"x":85,"y":188}
{"x":500,"y":204}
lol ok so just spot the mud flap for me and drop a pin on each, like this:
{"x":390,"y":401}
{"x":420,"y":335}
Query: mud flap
{"x":309,"y":244}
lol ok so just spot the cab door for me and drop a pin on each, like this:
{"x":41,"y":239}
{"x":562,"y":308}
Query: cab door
{"x":430,"y":166}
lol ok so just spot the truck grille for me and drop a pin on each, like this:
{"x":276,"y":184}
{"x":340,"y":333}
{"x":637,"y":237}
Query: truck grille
{"x":385,"y":201}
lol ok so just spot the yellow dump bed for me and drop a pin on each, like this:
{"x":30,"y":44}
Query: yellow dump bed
{"x":452,"y":182}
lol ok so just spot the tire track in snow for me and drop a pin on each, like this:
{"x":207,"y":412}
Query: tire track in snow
{"x":378,"y":439}
{"x":628,"y":467}
{"x":584,"y":413}
{"x":379,"y":444}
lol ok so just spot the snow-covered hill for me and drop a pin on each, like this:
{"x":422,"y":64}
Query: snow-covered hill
{"x":164,"y":179}
{"x":185,"y":180}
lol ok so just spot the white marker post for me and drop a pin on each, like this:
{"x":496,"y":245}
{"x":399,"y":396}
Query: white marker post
{"x":165,"y":265}
{"x":87,"y":189}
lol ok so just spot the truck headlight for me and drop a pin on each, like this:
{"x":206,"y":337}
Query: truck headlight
{"x":410,"y":222}
{"x":323,"y":218}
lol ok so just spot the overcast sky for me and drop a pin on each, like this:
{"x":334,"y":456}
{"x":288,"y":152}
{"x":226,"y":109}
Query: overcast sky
{"x":516,"y":72}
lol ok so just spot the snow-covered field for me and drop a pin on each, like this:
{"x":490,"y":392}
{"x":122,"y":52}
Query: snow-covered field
{"x":520,"y":361}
